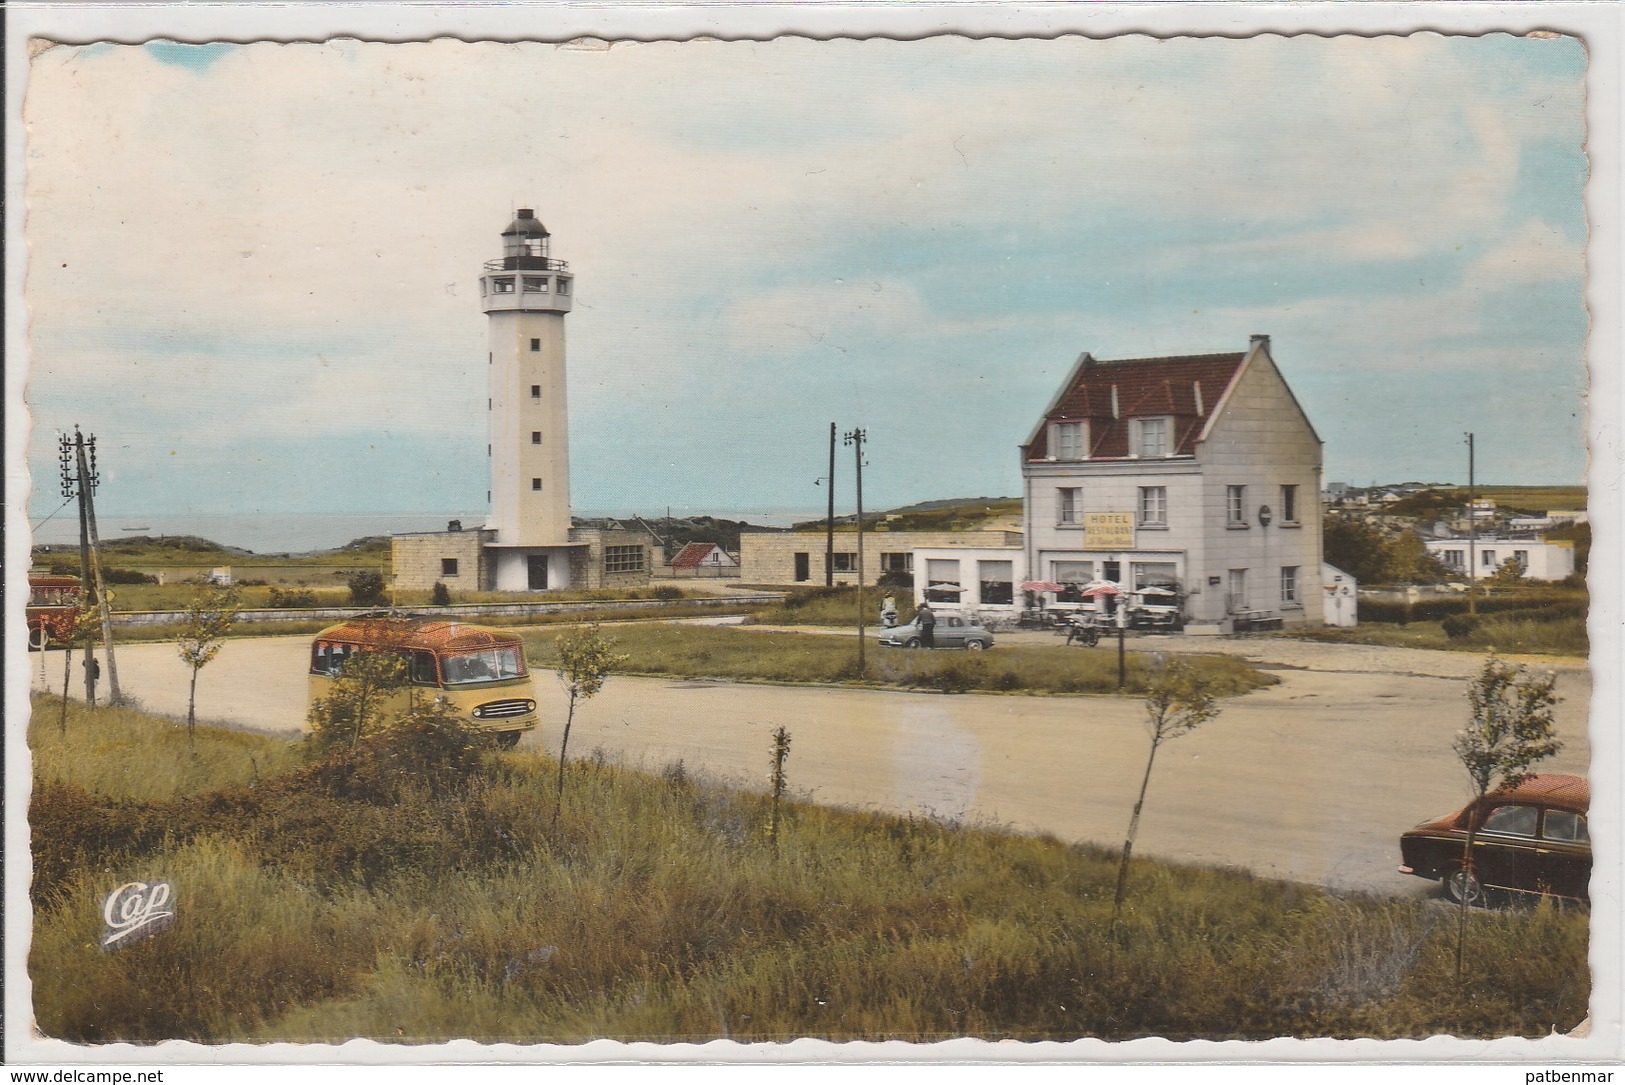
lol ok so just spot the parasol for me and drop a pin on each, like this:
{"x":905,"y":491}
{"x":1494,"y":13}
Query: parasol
{"x":1041,"y":585}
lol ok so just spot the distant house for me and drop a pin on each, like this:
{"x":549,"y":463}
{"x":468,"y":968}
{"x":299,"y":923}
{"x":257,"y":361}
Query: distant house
{"x":704,"y":559}
{"x":1478,"y":558}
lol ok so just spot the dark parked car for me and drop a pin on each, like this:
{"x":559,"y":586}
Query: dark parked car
{"x":1530,"y":839}
{"x":952,"y":632}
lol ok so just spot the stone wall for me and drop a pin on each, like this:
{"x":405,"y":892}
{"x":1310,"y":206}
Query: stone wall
{"x":588,"y":567}
{"x":418,"y":561}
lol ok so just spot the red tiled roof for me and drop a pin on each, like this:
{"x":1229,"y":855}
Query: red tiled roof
{"x":690,"y":556}
{"x":1187,"y":389}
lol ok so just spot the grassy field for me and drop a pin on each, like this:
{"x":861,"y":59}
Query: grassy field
{"x":1533,"y":498}
{"x":1564,"y":637}
{"x":762,"y":656}
{"x":361,"y":896}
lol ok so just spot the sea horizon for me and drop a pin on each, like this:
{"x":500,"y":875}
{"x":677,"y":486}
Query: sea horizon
{"x":298,"y":533}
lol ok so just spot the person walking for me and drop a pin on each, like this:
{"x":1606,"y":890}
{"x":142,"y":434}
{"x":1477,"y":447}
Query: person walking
{"x":927,"y":622}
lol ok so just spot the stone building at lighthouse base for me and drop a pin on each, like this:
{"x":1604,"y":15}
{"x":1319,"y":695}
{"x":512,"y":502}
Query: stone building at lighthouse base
{"x":466,"y":561}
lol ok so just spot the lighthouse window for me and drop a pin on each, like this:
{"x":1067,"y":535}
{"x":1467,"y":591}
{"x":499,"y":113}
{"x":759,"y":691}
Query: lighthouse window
{"x":535,"y":436}
{"x":535,"y":284}
{"x":563,"y":286}
{"x":535,"y":344}
{"x":535,"y":391}
{"x":502,"y":285}
{"x":536,"y":484}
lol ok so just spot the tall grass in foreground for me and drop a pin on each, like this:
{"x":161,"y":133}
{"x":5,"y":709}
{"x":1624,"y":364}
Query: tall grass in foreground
{"x":656,"y":910}
{"x":124,"y":753}
{"x":761,"y":656}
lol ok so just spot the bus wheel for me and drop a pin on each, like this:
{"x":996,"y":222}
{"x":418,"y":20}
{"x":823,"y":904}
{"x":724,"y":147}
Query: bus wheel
{"x":507,"y":740}
{"x":38,"y":638}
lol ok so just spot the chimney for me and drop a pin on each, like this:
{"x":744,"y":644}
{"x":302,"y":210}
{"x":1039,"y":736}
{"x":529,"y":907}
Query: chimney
{"x":1197,"y":387}
{"x":1114,"y":401}
{"x":1259,"y":341}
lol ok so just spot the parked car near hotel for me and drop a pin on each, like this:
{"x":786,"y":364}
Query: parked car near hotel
{"x":952,"y":631}
{"x":1531,"y":838}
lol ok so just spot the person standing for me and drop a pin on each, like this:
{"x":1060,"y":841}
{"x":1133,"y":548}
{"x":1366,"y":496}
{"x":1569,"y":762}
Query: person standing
{"x":927,"y":622}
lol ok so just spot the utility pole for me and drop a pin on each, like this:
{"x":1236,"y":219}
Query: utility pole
{"x":829,"y":522}
{"x":1472,"y":530}
{"x":81,"y":482}
{"x":855,"y":438}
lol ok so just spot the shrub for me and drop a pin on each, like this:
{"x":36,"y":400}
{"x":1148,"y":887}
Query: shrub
{"x":127,"y":576}
{"x":292,"y":598}
{"x":440,"y":596}
{"x":1460,"y":626}
{"x":366,"y":588}
{"x":1555,"y":603}
{"x":667,"y":591}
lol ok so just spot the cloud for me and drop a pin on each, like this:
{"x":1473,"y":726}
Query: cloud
{"x":1536,"y":252}
{"x":285,"y":239}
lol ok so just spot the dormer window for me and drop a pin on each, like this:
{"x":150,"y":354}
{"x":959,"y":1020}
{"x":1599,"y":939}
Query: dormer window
{"x":1067,"y":440}
{"x":1151,"y":437}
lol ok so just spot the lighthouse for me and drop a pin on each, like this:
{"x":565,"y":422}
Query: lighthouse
{"x":526,"y":294}
{"x":529,"y":542}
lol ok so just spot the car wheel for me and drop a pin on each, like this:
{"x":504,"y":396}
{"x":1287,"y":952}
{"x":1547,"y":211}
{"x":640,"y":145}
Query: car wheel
{"x":507,"y":740}
{"x":975,"y":645}
{"x":1460,"y":885}
{"x":912,"y":642}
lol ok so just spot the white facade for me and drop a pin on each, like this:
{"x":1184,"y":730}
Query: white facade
{"x":1199,"y":472}
{"x":980,"y":580}
{"x":1540,"y":559}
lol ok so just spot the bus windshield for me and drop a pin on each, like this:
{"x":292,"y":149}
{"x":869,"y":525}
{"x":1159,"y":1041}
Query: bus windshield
{"x":485,"y":665}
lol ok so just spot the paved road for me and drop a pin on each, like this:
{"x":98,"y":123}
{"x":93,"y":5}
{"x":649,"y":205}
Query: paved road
{"x":1311,"y":780}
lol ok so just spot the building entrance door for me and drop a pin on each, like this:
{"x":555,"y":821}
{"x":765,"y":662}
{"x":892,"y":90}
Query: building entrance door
{"x":538,"y":572}
{"x":803,"y":568}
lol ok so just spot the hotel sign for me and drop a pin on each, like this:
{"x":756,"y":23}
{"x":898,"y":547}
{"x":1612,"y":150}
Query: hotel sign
{"x":1108,"y":530}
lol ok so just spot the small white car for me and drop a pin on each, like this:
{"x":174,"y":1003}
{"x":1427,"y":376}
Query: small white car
{"x":952,"y":631}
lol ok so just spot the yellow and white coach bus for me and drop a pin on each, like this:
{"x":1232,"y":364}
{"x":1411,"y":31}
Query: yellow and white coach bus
{"x":479,"y":671}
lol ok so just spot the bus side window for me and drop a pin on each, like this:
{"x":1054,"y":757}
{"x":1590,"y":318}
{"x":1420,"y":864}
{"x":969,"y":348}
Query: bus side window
{"x":423,"y":672}
{"x":319,"y":658}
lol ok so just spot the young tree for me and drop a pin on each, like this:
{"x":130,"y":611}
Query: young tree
{"x":585,"y":661}
{"x":1511,"y":726}
{"x":366,"y":588}
{"x":354,"y":707}
{"x":776,"y":780}
{"x":209,"y":617}
{"x":1176,"y":705}
{"x":82,"y":632}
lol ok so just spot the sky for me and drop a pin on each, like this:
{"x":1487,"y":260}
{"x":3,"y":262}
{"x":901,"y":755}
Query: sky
{"x":253,"y":269}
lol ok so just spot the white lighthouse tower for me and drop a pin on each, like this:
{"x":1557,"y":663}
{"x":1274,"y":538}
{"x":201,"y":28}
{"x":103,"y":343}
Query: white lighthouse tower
{"x":526,"y":294}
{"x":528,"y":543}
